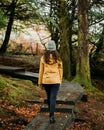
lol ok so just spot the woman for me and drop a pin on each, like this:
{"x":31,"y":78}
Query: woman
{"x":50,"y":76}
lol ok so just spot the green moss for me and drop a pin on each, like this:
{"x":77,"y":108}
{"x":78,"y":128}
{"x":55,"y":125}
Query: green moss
{"x":83,"y":82}
{"x":89,"y":88}
{"x":96,"y":93}
{"x":15,"y":91}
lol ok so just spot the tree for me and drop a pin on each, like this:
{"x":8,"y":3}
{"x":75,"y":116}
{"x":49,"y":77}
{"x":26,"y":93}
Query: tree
{"x":60,"y":17}
{"x":83,"y":68}
{"x":9,"y":27}
{"x":64,"y":38}
{"x":72,"y":20}
{"x":16,"y":10}
{"x":53,"y":27}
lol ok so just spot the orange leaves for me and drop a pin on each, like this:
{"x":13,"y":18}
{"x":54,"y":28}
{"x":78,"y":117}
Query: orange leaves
{"x":18,"y":117}
{"x":30,"y":111}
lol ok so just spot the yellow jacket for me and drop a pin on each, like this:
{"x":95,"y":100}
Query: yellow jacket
{"x":50,"y":73}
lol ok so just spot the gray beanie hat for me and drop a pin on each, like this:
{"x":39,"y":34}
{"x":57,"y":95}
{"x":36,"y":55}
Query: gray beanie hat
{"x":51,"y":45}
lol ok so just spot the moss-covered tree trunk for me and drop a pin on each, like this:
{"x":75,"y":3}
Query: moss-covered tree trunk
{"x":64,"y":38}
{"x":83,"y":68}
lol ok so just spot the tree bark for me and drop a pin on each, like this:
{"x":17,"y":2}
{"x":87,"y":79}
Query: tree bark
{"x":64,"y":38}
{"x":71,"y":22}
{"x":9,"y":28}
{"x":83,"y":67}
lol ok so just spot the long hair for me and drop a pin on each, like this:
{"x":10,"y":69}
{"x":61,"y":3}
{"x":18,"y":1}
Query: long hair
{"x":54,"y":54}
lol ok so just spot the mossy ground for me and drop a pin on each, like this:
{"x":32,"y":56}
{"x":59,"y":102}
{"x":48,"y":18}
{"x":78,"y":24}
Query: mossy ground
{"x":15,"y":91}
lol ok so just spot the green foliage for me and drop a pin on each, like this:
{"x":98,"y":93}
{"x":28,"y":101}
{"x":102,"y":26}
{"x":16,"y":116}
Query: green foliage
{"x":1,"y":84}
{"x":2,"y":19}
{"x":96,"y":15}
{"x":25,"y":11}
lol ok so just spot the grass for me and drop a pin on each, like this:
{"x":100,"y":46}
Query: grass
{"x":95,"y":92}
{"x":15,"y":91}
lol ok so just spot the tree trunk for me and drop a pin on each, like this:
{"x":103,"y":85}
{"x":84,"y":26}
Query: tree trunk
{"x":53,"y":14}
{"x":83,"y":68}
{"x":71,"y":21}
{"x":64,"y":38}
{"x":9,"y":28}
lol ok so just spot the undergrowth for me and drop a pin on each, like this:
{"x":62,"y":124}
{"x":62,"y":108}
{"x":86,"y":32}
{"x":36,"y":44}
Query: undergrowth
{"x":15,"y":91}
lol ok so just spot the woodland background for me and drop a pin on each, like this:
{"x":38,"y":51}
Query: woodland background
{"x":78,"y":29}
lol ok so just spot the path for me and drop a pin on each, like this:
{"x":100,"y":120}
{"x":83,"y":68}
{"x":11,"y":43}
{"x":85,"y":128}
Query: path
{"x":68,"y":96}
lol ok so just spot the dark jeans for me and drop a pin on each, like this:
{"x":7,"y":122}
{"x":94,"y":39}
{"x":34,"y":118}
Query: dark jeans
{"x":51,"y":91}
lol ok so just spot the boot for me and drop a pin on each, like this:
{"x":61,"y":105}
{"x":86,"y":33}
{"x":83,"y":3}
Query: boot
{"x":52,"y":120}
